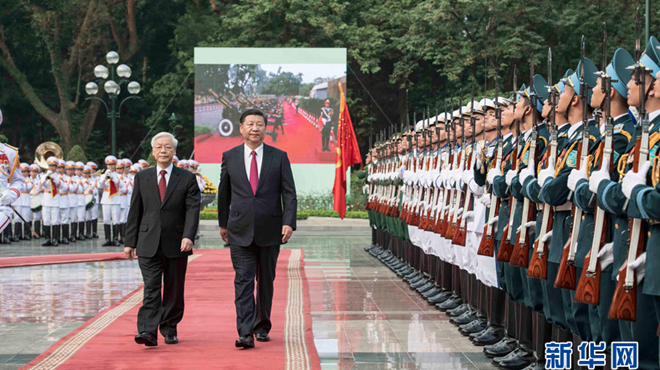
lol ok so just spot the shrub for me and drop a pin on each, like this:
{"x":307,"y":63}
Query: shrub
{"x":201,"y":130}
{"x":76,"y":154}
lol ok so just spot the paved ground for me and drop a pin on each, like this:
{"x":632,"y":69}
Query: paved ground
{"x":364,"y":317}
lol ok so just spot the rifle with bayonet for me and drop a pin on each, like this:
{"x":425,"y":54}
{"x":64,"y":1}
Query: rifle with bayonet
{"x":446,"y":161}
{"x":487,"y":244}
{"x":624,"y":303}
{"x":458,"y":165}
{"x":507,"y":243}
{"x":566,"y":275}
{"x":453,"y":159}
{"x":520,"y":255}
{"x":538,"y":263}
{"x":588,"y":287}
{"x":459,"y":237}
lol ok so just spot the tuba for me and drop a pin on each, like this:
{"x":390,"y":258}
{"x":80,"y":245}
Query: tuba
{"x":44,"y":151}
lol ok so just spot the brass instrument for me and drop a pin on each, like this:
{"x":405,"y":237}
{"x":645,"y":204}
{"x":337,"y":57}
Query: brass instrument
{"x":44,"y":151}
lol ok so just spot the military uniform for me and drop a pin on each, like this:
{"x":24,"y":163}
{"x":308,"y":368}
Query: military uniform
{"x":94,"y":181}
{"x":111,"y":185}
{"x":36,"y":191}
{"x":50,"y":184}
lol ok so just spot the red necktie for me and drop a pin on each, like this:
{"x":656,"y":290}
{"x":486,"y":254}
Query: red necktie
{"x":254,"y":173}
{"x":162,"y":185}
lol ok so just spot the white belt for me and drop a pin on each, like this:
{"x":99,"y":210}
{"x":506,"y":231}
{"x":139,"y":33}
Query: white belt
{"x":568,"y":206}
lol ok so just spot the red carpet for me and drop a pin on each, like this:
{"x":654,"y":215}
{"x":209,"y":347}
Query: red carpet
{"x":58,"y":259}
{"x":301,"y":141}
{"x":207,"y":332}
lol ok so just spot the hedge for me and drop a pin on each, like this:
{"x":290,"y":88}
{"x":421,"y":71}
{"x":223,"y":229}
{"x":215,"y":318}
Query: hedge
{"x":302,"y":214}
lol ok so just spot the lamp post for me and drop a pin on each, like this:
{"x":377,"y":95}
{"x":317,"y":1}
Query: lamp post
{"x":113,"y":89}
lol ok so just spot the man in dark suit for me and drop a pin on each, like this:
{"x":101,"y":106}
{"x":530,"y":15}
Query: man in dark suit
{"x":257,"y":213}
{"x":162,"y":222}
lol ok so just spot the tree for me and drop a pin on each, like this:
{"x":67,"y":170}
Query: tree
{"x":72,"y":33}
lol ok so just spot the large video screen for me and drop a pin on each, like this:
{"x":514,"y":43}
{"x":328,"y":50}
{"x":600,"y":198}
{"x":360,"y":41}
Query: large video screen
{"x":296,"y":89}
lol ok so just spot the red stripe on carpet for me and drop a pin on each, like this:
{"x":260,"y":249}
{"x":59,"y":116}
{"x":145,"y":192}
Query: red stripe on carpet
{"x":206,"y":333}
{"x":301,"y":141}
{"x":58,"y":259}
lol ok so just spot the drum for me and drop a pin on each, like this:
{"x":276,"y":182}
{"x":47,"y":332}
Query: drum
{"x":89,"y":201}
{"x":35,"y":203}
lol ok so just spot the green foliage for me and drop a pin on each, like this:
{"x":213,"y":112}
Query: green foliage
{"x":201,"y":130}
{"x":301,"y":215}
{"x":76,"y":154}
{"x":315,"y":201}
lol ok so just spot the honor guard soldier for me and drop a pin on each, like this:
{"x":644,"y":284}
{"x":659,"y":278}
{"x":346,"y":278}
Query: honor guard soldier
{"x":94,"y":181}
{"x":144,"y":164}
{"x":175,"y":160}
{"x":36,"y":192}
{"x":633,"y":250}
{"x":326,"y":117}
{"x":200,"y":180}
{"x":11,"y":180}
{"x":63,"y":195}
{"x":50,"y":183}
{"x":110,"y":200}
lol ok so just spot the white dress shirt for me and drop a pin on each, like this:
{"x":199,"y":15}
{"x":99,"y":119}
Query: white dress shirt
{"x":247,"y":154}
{"x":167,"y":174}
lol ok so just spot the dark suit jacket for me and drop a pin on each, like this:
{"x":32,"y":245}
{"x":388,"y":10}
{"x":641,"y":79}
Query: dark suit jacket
{"x":152,"y":223}
{"x":256,"y":217}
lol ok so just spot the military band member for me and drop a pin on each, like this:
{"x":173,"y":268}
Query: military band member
{"x":94,"y":181}
{"x":50,"y":183}
{"x":81,"y":187}
{"x":122,"y":170}
{"x":72,"y":197}
{"x":11,"y":179}
{"x":111,"y":186}
{"x":23,"y":206}
{"x":144,"y":164}
{"x":37,"y":191}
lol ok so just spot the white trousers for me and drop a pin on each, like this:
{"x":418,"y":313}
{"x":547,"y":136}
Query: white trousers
{"x":80,"y":213}
{"x":51,"y":216}
{"x":111,"y":214}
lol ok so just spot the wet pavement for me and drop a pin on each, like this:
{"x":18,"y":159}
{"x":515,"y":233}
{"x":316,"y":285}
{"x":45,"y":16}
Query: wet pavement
{"x":363,"y":315}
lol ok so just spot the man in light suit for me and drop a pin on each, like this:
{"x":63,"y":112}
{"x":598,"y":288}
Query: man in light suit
{"x":257,"y":213}
{"x":161,"y":225}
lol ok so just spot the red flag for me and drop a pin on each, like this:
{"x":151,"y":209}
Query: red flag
{"x":348,"y":154}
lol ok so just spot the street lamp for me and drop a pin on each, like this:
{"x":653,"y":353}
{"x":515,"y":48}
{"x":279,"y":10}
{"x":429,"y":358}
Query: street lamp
{"x":113,"y":89}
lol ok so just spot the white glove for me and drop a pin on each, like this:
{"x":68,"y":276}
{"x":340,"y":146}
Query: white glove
{"x":531,"y":226}
{"x":430,"y":180}
{"x":575,"y":176}
{"x":438,"y":182}
{"x":467,"y":176}
{"x":468,"y":215}
{"x":606,"y":255}
{"x":510,"y":174}
{"x":525,"y":173}
{"x":492,"y":174}
{"x":639,"y":265}
{"x":546,"y":238}
{"x":458,"y":181}
{"x":402,"y":171}
{"x":485,"y":200}
{"x":633,"y":179}
{"x":459,"y":211}
{"x":598,"y":176}
{"x":493,"y":222}
{"x":8,"y":197}
{"x":547,"y":173}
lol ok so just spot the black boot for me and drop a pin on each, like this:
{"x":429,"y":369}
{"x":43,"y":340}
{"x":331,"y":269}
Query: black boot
{"x":27,"y":234}
{"x":55,"y":233}
{"x":7,"y":235}
{"x":81,"y":230}
{"x":37,"y":228}
{"x":65,"y":234}
{"x":121,"y":233}
{"x":89,"y":229}
{"x":115,"y":235}
{"x":108,"y":236}
{"x":48,"y":242}
{"x":18,"y":232}
{"x":95,"y":225}
{"x":74,"y":231}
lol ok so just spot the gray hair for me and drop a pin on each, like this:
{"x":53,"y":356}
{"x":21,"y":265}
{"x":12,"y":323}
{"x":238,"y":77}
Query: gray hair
{"x":175,"y":142}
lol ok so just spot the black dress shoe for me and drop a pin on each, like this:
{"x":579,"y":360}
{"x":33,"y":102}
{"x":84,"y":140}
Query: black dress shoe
{"x":465,"y":318}
{"x":476,"y":326}
{"x":459,"y":310}
{"x":263,"y":338}
{"x":245,"y":341}
{"x":171,"y":339}
{"x":449,"y":304}
{"x":439,"y":298}
{"x":431,"y":292}
{"x":419,"y":283}
{"x":490,"y":336}
{"x":519,"y":361}
{"x":501,"y":342}
{"x":147,"y":339}
{"x":502,"y":348}
{"x":496,"y":360}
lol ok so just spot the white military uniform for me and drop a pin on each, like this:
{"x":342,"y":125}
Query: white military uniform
{"x":50,"y":185}
{"x":110,"y":182}
{"x":94,"y":180}
{"x":11,"y":182}
{"x":36,"y":191}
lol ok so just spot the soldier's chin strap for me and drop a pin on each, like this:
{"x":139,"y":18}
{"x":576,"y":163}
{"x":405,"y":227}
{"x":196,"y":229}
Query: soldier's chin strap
{"x":568,"y":109}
